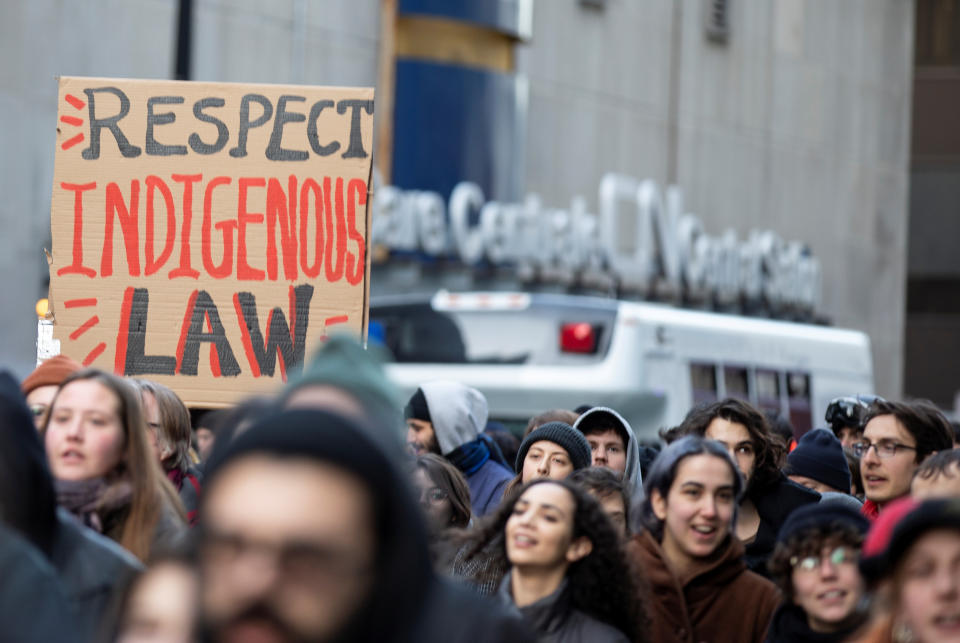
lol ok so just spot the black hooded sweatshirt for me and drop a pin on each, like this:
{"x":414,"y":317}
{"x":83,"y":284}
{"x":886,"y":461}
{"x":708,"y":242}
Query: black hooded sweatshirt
{"x":408,"y":602}
{"x":92,"y":568}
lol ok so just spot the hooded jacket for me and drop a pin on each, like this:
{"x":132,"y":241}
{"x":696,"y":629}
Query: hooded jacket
{"x":410,"y":603}
{"x":92,"y":568}
{"x":33,"y":608}
{"x":556,"y":621}
{"x":632,"y":476}
{"x":458,"y":414}
{"x":719,"y":600}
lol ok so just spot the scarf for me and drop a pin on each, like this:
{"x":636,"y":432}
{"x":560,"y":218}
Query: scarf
{"x":470,"y":456}
{"x":176,"y":476}
{"x":91,"y":500}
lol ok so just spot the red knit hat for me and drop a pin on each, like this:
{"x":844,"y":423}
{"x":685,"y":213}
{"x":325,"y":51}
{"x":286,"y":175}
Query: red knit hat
{"x":50,"y":373}
{"x":875,"y":545}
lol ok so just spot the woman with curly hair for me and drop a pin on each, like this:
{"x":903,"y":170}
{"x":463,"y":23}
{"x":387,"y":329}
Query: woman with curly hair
{"x":105,"y":473}
{"x":565,"y":569}
{"x":770,"y":496}
{"x":700,"y":587}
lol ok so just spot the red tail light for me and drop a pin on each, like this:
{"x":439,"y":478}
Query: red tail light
{"x":578,"y":337}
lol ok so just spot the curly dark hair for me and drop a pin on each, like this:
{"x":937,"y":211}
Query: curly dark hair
{"x":921,"y":418}
{"x":809,"y":542}
{"x":766,"y":470}
{"x":602,"y":584}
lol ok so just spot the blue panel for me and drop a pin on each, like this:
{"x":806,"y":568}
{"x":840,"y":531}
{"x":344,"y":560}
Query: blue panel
{"x":455,"y":124}
{"x":507,"y":16}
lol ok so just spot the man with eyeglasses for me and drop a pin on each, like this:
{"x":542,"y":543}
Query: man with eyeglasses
{"x":897,"y":438}
{"x":41,"y":386}
{"x":310,"y":534}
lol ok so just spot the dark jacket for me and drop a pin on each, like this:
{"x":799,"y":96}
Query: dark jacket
{"x":33,"y":608}
{"x":486,"y":487}
{"x":774,"y":503}
{"x":556,"y":621}
{"x":790,"y":626}
{"x":719,"y":601}
{"x":92,"y":569}
{"x":407,"y":601}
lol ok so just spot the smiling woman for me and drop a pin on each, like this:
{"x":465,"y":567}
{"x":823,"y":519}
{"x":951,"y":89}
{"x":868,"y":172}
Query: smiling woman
{"x":700,"y":588}
{"x":567,"y":575}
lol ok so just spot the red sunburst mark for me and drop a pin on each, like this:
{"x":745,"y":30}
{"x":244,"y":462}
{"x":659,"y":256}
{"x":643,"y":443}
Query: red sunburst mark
{"x":94,"y":354}
{"x":73,"y":100}
{"x":80,"y":303}
{"x":87,"y":325}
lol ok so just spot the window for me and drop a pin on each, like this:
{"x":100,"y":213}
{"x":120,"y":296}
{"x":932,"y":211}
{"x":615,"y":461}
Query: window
{"x":735,"y":382}
{"x":703,"y":381}
{"x":768,"y":390}
{"x":798,"y":399}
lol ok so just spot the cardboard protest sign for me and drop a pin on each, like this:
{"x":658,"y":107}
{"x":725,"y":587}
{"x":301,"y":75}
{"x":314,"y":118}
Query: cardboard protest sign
{"x":208,"y":235}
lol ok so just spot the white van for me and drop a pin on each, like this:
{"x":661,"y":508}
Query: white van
{"x":532,"y":352}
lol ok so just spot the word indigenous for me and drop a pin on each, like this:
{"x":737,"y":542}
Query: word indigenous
{"x":323,"y":241}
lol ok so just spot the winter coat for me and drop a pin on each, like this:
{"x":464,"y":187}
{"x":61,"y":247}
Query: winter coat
{"x":92,"y":570}
{"x":458,"y":414}
{"x":774,"y":503}
{"x":789,"y":625}
{"x":632,"y":476}
{"x":408,"y":602}
{"x":719,"y":600}
{"x":556,"y":621}
{"x":33,"y":608}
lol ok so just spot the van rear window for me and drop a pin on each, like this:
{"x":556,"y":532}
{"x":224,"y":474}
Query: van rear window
{"x":416,"y":333}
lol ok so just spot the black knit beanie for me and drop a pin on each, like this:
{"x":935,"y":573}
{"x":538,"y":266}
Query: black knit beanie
{"x":819,"y":455}
{"x":560,"y":433}
{"x":417,"y":408}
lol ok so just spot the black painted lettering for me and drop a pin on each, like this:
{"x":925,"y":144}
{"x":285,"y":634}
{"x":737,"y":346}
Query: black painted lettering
{"x":246,"y":124}
{"x":289,"y":343}
{"x":223,"y":134}
{"x":275,"y":151}
{"x":355,"y":148}
{"x":154,"y":147}
{"x":111,"y":123}
{"x":223,"y":362}
{"x":313,"y":137}
{"x":136,"y":362}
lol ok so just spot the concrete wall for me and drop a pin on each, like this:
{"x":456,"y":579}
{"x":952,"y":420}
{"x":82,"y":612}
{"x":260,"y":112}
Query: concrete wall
{"x":40,"y":40}
{"x":798,"y":123}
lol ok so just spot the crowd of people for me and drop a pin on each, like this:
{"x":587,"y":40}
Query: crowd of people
{"x":337,"y":511}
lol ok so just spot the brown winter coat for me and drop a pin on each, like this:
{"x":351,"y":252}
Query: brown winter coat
{"x":719,"y":601}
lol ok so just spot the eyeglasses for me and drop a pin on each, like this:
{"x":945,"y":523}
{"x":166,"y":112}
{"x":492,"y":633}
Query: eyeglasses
{"x":883,"y":448}
{"x":838,"y":556}
{"x":306,"y":563}
{"x":37,"y":410}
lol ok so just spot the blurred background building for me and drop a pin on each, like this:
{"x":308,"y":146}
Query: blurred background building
{"x":788,"y":115}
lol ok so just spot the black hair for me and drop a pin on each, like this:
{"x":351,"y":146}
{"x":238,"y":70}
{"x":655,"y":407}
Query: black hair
{"x":941,"y":463}
{"x":766,"y":468}
{"x":921,"y":418}
{"x":602,"y":483}
{"x":602,"y":584}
